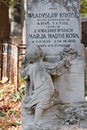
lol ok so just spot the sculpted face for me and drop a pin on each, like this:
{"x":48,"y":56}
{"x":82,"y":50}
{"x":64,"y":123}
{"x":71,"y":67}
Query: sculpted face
{"x":34,"y":53}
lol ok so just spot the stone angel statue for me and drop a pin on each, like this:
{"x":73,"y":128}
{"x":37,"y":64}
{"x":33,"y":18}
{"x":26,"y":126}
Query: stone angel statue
{"x":40,"y":93}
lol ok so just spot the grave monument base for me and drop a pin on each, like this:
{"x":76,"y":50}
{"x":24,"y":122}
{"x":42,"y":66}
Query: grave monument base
{"x":58,"y":117}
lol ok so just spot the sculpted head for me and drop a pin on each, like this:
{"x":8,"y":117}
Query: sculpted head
{"x":34,"y":53}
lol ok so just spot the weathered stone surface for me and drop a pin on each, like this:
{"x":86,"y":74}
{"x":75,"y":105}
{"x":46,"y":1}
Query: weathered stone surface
{"x":53,"y":67}
{"x":60,"y":116}
{"x":41,"y":105}
{"x":49,"y":24}
{"x":40,"y":91}
{"x":54,"y":25}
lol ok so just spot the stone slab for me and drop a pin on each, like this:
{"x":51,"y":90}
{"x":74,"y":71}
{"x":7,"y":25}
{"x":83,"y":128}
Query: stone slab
{"x":54,"y":25}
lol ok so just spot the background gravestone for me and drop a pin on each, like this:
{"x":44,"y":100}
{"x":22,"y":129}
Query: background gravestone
{"x":54,"y":25}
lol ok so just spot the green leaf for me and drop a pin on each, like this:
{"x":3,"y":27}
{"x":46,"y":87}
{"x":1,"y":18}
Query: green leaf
{"x":16,"y":96}
{"x":11,"y":2}
{"x":1,"y":113}
{"x":16,"y":123}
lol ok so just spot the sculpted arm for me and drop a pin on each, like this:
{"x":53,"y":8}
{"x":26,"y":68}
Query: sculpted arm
{"x":62,"y":63}
{"x":58,"y":68}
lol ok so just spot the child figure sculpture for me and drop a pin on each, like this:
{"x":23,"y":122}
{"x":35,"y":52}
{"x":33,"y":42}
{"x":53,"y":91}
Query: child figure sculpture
{"x":40,"y":93}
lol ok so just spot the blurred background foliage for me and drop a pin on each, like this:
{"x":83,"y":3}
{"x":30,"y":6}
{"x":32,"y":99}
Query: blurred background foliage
{"x":11,"y":2}
{"x":83,"y":7}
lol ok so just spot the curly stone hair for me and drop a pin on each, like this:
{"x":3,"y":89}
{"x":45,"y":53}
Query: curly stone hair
{"x":34,"y":53}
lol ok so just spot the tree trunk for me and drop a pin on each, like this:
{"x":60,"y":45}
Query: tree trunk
{"x":4,"y":20}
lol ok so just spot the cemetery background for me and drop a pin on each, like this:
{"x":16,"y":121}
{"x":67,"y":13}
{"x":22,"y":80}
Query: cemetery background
{"x":10,"y":91}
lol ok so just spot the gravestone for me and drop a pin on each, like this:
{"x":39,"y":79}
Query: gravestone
{"x":54,"y":26}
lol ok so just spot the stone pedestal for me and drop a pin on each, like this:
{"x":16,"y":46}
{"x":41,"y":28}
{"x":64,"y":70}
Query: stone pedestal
{"x":58,"y":117}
